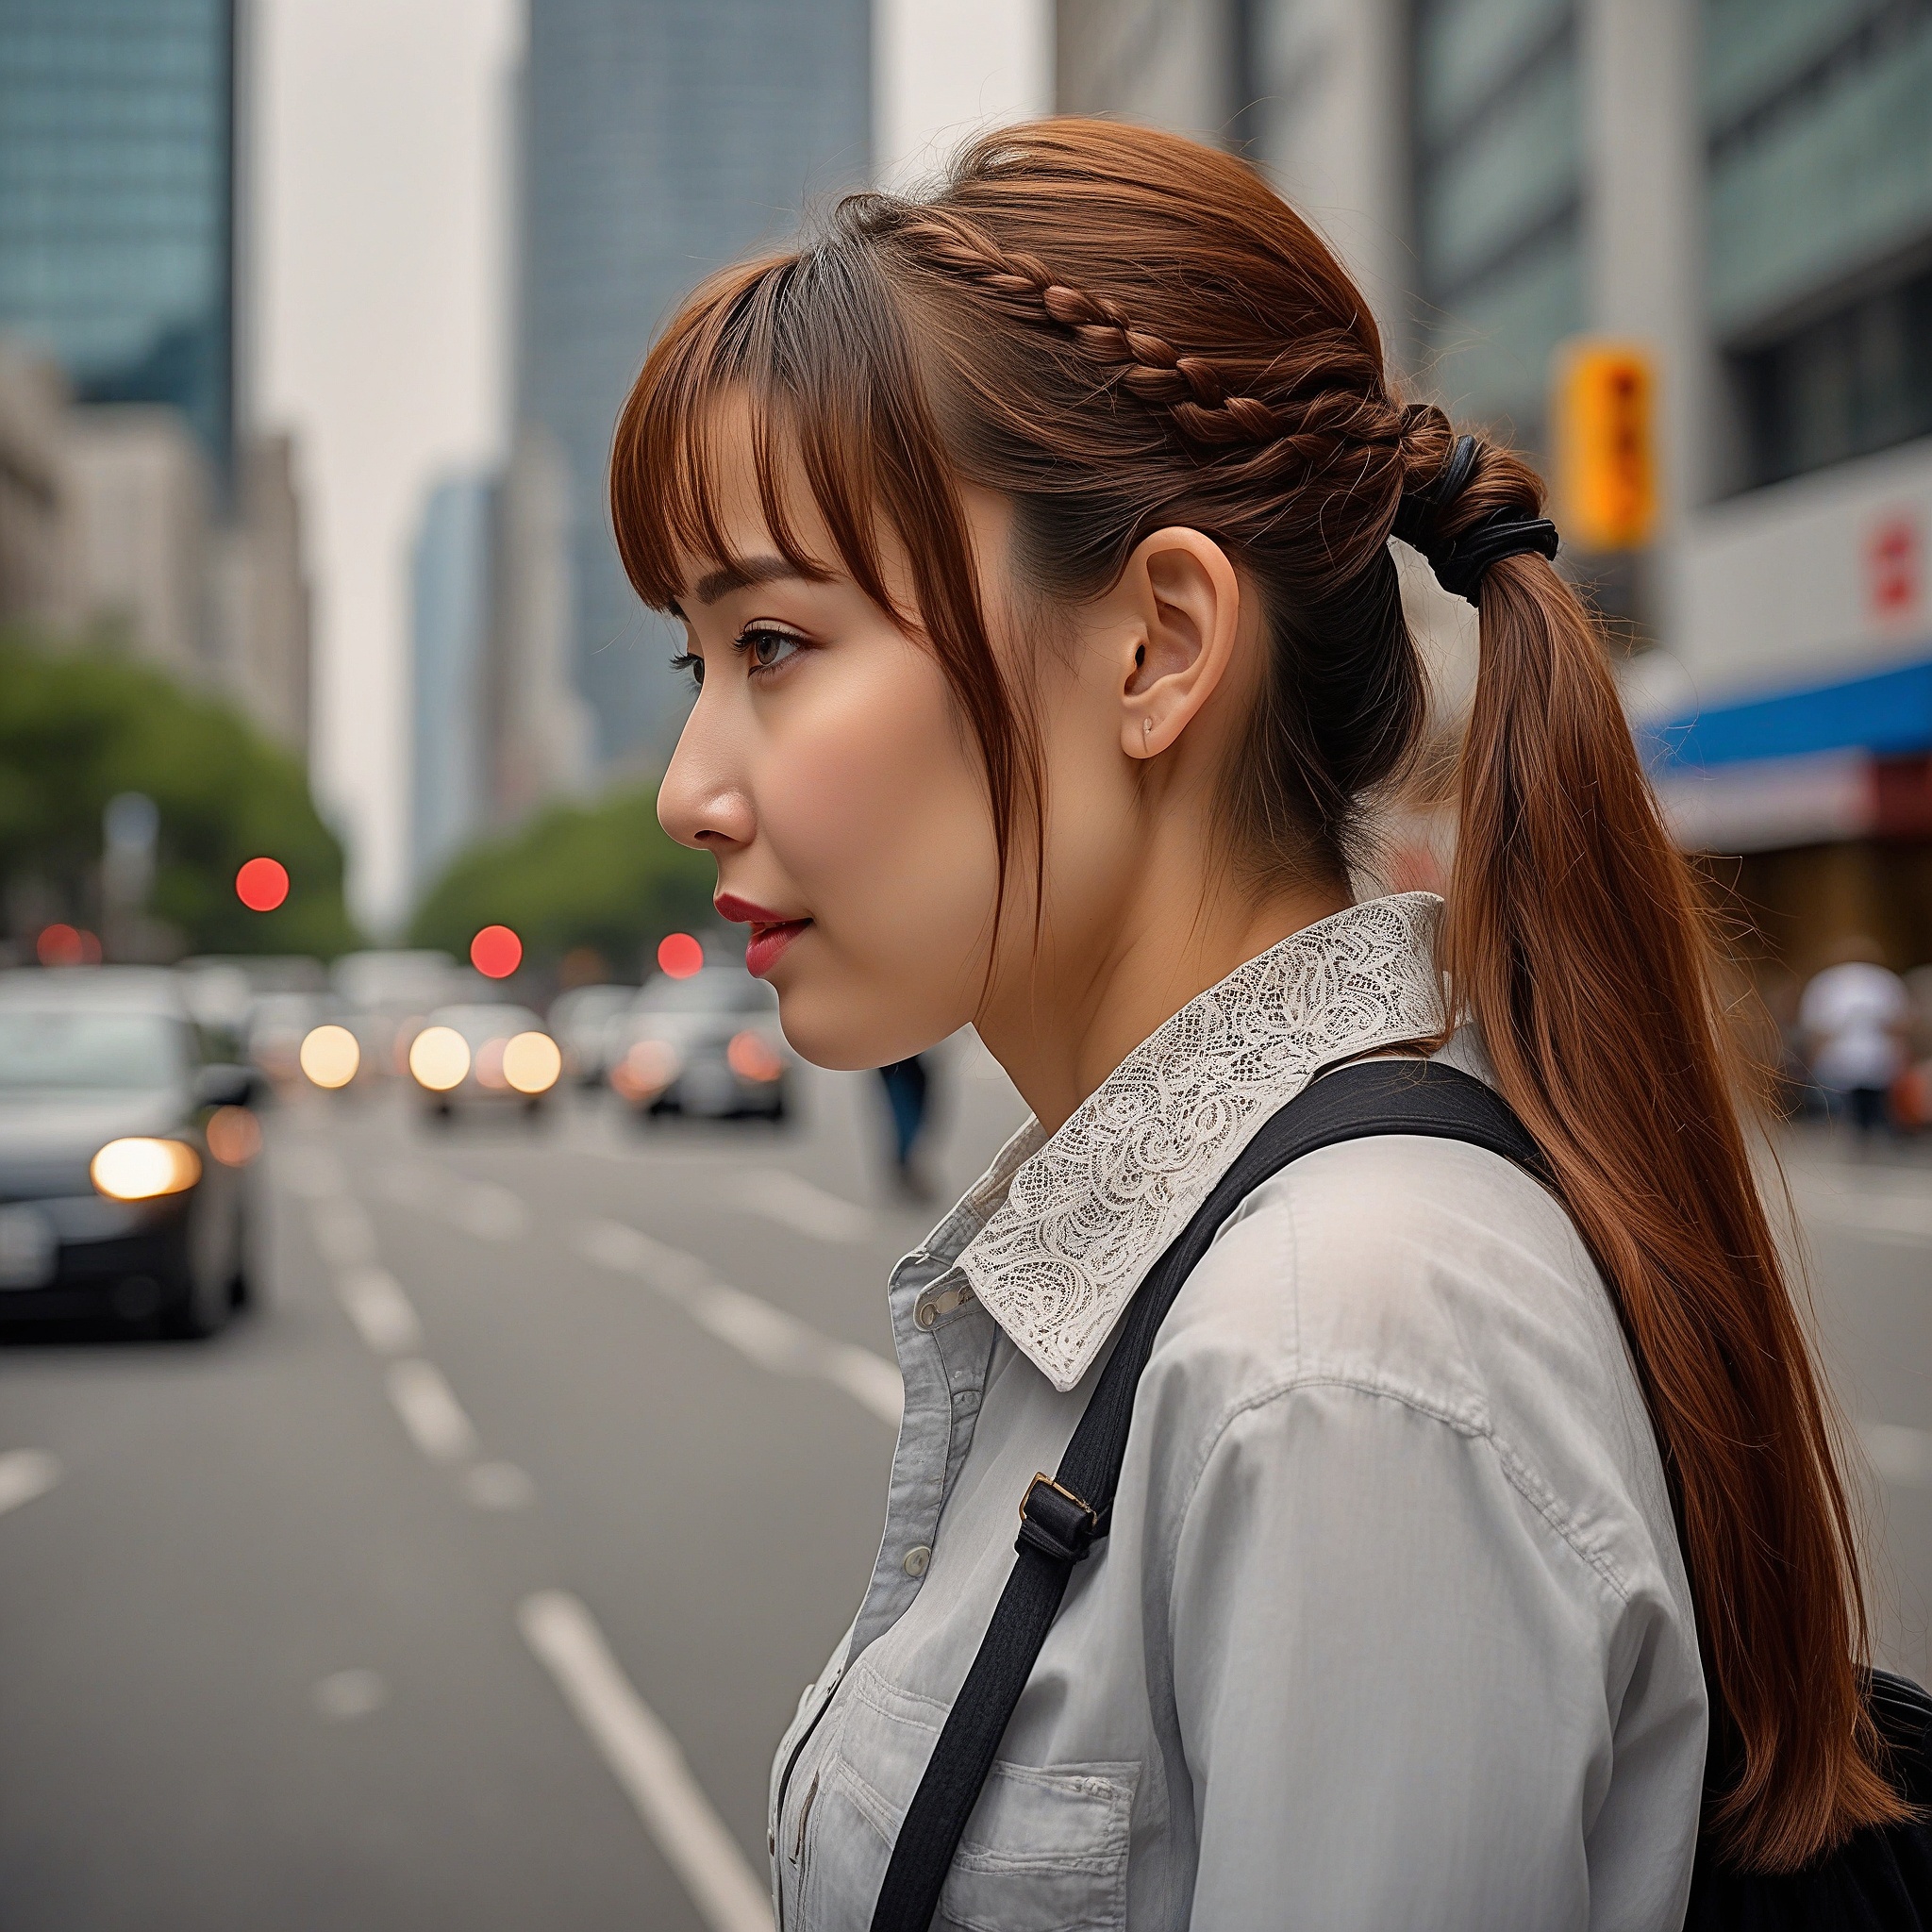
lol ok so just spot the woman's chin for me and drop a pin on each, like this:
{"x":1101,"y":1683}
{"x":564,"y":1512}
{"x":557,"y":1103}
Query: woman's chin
{"x":838,"y":1030}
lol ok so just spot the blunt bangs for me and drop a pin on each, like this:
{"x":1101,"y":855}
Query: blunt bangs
{"x":811,"y":348}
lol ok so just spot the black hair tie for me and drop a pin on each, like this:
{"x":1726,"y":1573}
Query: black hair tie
{"x":1459,"y":564}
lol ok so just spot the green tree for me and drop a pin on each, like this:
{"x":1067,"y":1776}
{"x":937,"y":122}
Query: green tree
{"x":603,"y":875}
{"x":79,"y":724}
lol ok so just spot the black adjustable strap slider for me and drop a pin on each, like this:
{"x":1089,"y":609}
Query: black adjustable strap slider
{"x":1056,"y":1522}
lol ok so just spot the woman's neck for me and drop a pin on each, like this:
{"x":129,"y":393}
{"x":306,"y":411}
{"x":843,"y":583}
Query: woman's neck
{"x":1060,"y":1019}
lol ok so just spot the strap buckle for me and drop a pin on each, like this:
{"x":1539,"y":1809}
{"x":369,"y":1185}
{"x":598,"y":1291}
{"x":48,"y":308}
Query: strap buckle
{"x":1056,"y":1522}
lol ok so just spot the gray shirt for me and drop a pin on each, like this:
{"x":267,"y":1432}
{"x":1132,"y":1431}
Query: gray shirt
{"x":1392,"y":1628}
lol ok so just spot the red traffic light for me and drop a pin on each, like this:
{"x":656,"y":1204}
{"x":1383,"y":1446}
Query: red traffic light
{"x":679,"y":955}
{"x":496,"y":952}
{"x":67,"y":945}
{"x":262,"y":884}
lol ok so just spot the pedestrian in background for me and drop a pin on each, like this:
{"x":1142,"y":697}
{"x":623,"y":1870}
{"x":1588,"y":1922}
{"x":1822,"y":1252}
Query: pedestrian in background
{"x":1855,"y":1017}
{"x":1424,"y":1507}
{"x":909,"y":1089}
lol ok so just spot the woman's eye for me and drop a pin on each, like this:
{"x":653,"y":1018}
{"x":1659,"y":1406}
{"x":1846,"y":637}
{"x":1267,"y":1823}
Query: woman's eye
{"x":691,"y":666}
{"x":768,"y":648}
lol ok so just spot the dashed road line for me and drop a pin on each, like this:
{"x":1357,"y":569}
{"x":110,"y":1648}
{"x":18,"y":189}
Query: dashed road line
{"x":1893,"y":1215}
{"x":374,"y":1302}
{"x":343,"y":1231}
{"x":776,"y":1194}
{"x":25,"y":1474}
{"x":645,"y":1759}
{"x":431,"y":1412}
{"x":482,"y":1208}
{"x":768,"y":1336}
{"x":1899,"y":1455}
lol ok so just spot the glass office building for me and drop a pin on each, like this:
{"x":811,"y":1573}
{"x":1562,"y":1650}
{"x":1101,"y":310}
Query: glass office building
{"x":1818,"y":120}
{"x":1498,"y":159}
{"x":660,"y":138}
{"x":117,"y":202}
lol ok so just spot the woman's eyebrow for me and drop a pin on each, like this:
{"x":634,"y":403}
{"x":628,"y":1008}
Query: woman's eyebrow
{"x":743,"y":575}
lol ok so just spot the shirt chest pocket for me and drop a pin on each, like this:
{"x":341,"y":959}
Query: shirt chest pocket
{"x":1044,"y":1851}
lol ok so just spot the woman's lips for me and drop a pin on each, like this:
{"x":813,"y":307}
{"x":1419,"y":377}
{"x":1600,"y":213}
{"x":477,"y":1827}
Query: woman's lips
{"x":767,"y":941}
{"x":771,"y":932}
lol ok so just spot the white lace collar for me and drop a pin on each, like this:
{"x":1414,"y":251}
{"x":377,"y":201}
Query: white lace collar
{"x":1085,"y":1213}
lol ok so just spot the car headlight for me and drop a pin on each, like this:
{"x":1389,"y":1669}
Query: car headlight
{"x":330,"y":1055}
{"x":440,"y":1058}
{"x":531,"y":1062}
{"x":139,"y":1169}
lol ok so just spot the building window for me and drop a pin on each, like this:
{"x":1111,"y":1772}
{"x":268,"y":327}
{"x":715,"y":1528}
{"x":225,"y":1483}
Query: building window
{"x":1499,"y":201}
{"x":1818,"y":117}
{"x":1856,"y":381}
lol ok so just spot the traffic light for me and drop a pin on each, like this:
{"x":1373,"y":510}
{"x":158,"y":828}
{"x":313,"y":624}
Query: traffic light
{"x":1603,"y":406}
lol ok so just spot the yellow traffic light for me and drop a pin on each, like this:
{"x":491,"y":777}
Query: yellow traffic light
{"x":1603,"y":404}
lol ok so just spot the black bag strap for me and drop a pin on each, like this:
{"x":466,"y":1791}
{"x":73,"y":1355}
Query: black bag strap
{"x":1064,"y":1515}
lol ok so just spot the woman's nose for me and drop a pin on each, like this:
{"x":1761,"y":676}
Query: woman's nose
{"x":704,"y":801}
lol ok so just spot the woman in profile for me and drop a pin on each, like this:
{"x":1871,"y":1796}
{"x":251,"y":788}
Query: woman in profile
{"x":1033,"y":545}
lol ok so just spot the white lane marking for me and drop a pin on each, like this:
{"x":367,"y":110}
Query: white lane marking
{"x":1877,"y":1211}
{"x":313,"y":1173}
{"x":778,"y":1195}
{"x":1899,"y":1455}
{"x":343,"y":1232}
{"x":494,"y":1213}
{"x":499,"y":1486}
{"x":25,"y":1474}
{"x":482,"y":1208}
{"x":762,"y":1334}
{"x":375,"y":1301}
{"x":431,"y":1412}
{"x":645,"y":1759}
{"x":349,"y":1694}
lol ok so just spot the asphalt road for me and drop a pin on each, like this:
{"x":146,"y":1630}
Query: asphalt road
{"x":470,"y":1581}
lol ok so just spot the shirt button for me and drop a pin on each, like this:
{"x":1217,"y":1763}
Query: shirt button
{"x":926,"y":1314}
{"x":918,"y":1559}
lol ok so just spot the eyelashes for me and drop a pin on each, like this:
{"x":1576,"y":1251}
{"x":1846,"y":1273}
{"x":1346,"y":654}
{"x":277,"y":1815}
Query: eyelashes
{"x":766,"y":648}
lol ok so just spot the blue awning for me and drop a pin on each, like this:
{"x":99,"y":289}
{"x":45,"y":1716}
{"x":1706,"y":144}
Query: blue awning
{"x":1888,"y":714}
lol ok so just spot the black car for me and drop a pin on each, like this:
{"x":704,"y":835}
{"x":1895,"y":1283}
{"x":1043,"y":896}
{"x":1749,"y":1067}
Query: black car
{"x":125,"y":1154}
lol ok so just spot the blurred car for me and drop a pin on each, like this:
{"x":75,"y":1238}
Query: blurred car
{"x":580,"y":1024}
{"x":278,"y":1023}
{"x":124,"y":1152}
{"x":484,"y":1054}
{"x":706,"y":1044}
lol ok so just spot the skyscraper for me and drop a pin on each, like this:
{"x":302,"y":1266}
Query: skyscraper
{"x":450,"y":626}
{"x":117,"y":199}
{"x":659,"y":139}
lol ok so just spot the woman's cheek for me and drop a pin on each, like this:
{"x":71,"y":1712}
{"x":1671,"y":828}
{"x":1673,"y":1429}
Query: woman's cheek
{"x":878,"y":815}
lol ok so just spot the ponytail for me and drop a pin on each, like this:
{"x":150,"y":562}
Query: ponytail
{"x":1577,"y":941}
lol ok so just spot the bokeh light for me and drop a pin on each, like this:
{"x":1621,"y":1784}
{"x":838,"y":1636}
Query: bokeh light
{"x":262,"y":884}
{"x":234,"y":1136}
{"x":496,"y":952}
{"x":330,"y":1055}
{"x":440,"y":1058}
{"x":140,"y":1169}
{"x":679,"y":955}
{"x":531,"y":1062}
{"x":645,"y":1070}
{"x":61,"y":945}
{"x":752,"y":1057}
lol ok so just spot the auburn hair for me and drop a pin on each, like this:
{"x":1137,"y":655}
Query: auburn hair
{"x":1118,"y":329}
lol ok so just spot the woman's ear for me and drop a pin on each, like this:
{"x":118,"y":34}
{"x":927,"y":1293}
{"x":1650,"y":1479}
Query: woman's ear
{"x":1185,"y":601}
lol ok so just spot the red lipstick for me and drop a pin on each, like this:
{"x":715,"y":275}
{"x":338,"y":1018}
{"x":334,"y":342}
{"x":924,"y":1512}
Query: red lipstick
{"x":771,"y":932}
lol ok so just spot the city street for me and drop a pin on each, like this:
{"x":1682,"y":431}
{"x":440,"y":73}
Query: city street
{"x":471,"y":1579}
